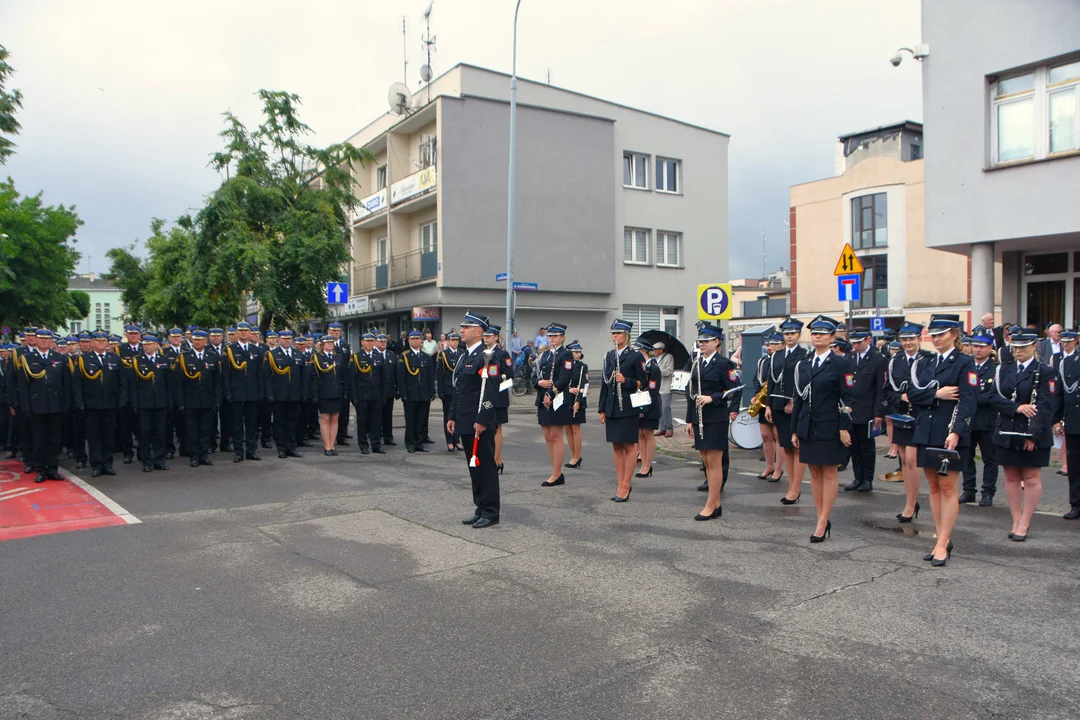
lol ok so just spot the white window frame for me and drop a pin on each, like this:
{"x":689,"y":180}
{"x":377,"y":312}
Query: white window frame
{"x":635,"y":159}
{"x":432,"y":229}
{"x":380,"y":178}
{"x":661,"y":176}
{"x":634,"y":260}
{"x":382,"y":251}
{"x":1068,"y":275}
{"x":663,"y":259}
{"x":1040,"y":97}
{"x":671,"y":313}
{"x":429,"y":153}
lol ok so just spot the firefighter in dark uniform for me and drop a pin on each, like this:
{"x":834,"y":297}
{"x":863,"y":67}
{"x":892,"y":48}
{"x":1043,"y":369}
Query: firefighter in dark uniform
{"x":867,"y":408}
{"x":127,"y":419}
{"x":389,"y":389}
{"x":100,"y":389}
{"x":243,"y":386}
{"x":151,"y":399}
{"x":78,"y":425}
{"x":197,"y":394}
{"x":1069,"y":420}
{"x":780,"y":398}
{"x":416,"y":385}
{"x":343,"y":354}
{"x":502,"y":403}
{"x":45,"y":390}
{"x":307,"y":424}
{"x":445,"y":362}
{"x":472,"y":418}
{"x":285,"y":381}
{"x":982,"y":424}
{"x":16,"y":380}
{"x":222,"y":431}
{"x":266,"y":407}
{"x":174,"y":420}
{"x":365,"y":378}
{"x":6,"y":413}
{"x":67,"y":423}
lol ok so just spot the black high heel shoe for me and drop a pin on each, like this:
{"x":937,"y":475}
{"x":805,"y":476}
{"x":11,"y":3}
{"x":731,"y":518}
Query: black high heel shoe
{"x":573,"y":465}
{"x":648,"y":474}
{"x":557,"y":481}
{"x":777,"y":478}
{"x":719,"y":511}
{"x":930,"y":556}
{"x":934,"y":562}
{"x":821,"y":538}
{"x":765,"y":474}
{"x":785,"y":501}
{"x":616,"y":498}
{"x":500,"y":466}
{"x":908,"y":518}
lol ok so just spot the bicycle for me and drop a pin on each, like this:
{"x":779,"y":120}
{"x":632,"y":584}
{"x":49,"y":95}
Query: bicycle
{"x":522,"y":380}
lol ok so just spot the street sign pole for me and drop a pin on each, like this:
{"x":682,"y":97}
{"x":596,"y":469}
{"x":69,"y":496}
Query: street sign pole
{"x":847,"y":322}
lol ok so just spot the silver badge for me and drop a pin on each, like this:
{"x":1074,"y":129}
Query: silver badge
{"x":487,"y":404}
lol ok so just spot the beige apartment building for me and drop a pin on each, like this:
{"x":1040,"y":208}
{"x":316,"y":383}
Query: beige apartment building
{"x":875,"y":202}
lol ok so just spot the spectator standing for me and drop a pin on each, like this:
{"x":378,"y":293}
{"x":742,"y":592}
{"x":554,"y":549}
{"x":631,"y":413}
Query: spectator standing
{"x":667,"y":370}
{"x":430,"y":347}
{"x":540,"y":339}
{"x":516,"y":346}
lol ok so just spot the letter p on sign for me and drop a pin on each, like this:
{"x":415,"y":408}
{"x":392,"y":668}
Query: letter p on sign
{"x":714,"y":301}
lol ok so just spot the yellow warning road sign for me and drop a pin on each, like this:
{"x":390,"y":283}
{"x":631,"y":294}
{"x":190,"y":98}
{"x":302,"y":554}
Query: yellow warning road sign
{"x":848,"y":264}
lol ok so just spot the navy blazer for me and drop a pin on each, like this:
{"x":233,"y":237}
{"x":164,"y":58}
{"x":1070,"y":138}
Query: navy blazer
{"x":1069,"y":374}
{"x":476,"y":388}
{"x":718,"y":377}
{"x":782,"y":376}
{"x":868,"y":389}
{"x":985,"y":416}
{"x":823,"y":398}
{"x":936,"y":420}
{"x":1015,"y":387}
{"x":632,"y":366}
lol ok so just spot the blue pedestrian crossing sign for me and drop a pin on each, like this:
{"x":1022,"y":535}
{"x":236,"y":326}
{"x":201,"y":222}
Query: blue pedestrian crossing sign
{"x":848,"y":287}
{"x":337,"y":293}
{"x":877,"y":324}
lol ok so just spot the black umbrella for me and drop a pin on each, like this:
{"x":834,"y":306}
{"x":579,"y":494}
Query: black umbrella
{"x":671,"y":345}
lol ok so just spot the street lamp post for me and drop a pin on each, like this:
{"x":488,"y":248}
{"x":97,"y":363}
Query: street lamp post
{"x":510,"y":188}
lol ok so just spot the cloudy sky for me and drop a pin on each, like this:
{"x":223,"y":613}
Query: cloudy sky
{"x":123,"y":98}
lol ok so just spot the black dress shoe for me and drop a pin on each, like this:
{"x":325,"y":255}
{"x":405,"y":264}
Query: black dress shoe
{"x":967,"y":496}
{"x":388,"y":442}
{"x":128,"y":458}
{"x":378,"y":451}
{"x":409,"y":449}
{"x":853,"y":485}
{"x":170,"y":455}
{"x":281,"y":454}
{"x":80,"y":465}
{"x":429,"y":441}
{"x":470,"y":520}
{"x":238,"y":458}
{"x":718,"y":512}
{"x":147,"y":467}
{"x":27,"y":469}
{"x":266,"y":445}
{"x":557,"y":481}
{"x":421,"y":448}
{"x":226,"y":447}
{"x":305,"y":443}
{"x":703,"y":487}
{"x":107,"y":471}
{"x":1073,"y":514}
{"x":865,"y":487}
{"x":194,"y":462}
{"x":96,"y":472}
{"x":252,"y":456}
{"x":160,"y":466}
{"x":40,"y":478}
{"x":986,"y":500}
{"x":328,"y":453}
{"x":333,"y":452}
{"x":11,"y":455}
{"x":206,"y":461}
{"x":293,"y":453}
{"x":347,"y":435}
{"x":342,"y":442}
{"x":364,"y":451}
{"x":484,"y":522}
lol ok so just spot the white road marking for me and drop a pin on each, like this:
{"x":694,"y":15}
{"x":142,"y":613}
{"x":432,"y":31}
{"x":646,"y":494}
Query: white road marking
{"x":18,"y":492}
{"x":101,"y":498}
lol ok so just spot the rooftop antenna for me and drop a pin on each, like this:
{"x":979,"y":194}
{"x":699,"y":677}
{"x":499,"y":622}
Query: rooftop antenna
{"x":404,"y":51}
{"x":428,"y":41}
{"x":764,"y":242}
{"x":549,"y":76}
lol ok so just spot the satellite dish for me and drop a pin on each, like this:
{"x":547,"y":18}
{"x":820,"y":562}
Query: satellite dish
{"x":399,"y":97}
{"x":425,"y":73}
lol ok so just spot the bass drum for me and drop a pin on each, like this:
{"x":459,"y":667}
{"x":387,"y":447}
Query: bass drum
{"x":745,"y":431}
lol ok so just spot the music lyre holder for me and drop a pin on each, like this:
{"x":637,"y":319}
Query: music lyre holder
{"x":945,"y":456}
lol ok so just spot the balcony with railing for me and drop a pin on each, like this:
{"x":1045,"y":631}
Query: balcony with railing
{"x":419,"y":265}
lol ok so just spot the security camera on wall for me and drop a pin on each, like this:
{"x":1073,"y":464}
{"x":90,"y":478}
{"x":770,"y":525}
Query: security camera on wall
{"x":896,"y":60}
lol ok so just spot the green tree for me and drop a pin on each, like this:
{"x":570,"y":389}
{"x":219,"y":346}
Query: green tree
{"x":81,"y":301}
{"x":35,"y":243}
{"x":278,"y":227}
{"x":128,"y":272}
{"x":174,"y":296}
{"x":9,"y":103}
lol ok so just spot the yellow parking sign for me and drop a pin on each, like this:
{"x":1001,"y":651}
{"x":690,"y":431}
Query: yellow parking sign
{"x":714,"y":301}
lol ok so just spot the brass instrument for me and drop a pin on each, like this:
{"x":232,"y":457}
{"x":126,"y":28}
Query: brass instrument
{"x":758,"y":403}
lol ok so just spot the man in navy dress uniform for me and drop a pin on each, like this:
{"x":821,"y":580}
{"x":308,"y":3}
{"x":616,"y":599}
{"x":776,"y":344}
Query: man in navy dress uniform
{"x":868,"y":408}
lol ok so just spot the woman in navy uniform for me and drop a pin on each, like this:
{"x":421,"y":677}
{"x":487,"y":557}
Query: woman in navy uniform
{"x":624,"y":374}
{"x":552,"y":379}
{"x":945,"y":388}
{"x":714,"y":379}
{"x":983,"y":422}
{"x":502,"y":403}
{"x":445,"y":362}
{"x":897,"y":381}
{"x":770,"y":445}
{"x":579,"y":380}
{"x":1028,"y":400}
{"x":821,"y":414}
{"x":649,"y":417}
{"x":328,"y":380}
{"x":781,"y":379}
{"x":1069,"y":417}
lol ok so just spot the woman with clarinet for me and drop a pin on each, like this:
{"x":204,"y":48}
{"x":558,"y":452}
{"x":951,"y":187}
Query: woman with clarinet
{"x":649,"y":420}
{"x":579,"y":385}
{"x":624,"y":375}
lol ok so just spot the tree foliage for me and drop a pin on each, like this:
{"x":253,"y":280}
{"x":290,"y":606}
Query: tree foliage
{"x":10,"y":102}
{"x":276,"y":230}
{"x":81,"y":300}
{"x":37,"y":258}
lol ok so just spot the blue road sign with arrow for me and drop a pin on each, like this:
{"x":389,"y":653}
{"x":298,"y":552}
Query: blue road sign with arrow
{"x":337,"y":293}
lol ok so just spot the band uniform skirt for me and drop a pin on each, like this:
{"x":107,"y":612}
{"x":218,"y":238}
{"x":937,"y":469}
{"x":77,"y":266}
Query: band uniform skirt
{"x":904,"y":437}
{"x":716,"y":437}
{"x":782,"y":420}
{"x":329,"y":405}
{"x":502,"y":415}
{"x":578,"y":418}
{"x":822,"y":452}
{"x":965,"y":451}
{"x":647,"y":424}
{"x":621,"y":430}
{"x":1007,"y":457}
{"x":546,"y":416}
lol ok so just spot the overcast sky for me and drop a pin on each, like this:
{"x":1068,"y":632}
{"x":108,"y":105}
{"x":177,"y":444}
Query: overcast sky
{"x":123,"y":98}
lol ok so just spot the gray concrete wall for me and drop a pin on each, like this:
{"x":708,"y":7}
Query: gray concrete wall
{"x":565,"y":198}
{"x":965,"y":203}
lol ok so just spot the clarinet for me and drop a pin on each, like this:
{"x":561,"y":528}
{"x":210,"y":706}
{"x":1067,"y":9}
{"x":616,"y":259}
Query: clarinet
{"x":700,"y":414}
{"x":616,"y":386}
{"x":1034,"y":392}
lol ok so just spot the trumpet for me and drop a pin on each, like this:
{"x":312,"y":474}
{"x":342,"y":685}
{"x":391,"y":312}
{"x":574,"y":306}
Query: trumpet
{"x":758,"y":403}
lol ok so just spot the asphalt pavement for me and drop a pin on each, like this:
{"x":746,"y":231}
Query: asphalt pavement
{"x":347,"y":588}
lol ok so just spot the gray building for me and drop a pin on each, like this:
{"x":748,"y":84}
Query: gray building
{"x":620,"y":212}
{"x":1001,"y":104}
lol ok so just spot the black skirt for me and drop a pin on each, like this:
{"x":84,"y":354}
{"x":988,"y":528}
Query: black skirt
{"x":904,"y":437}
{"x":546,"y":416}
{"x":329,"y":405}
{"x":934,"y":464}
{"x":822,"y":452}
{"x":783,"y":429}
{"x":621,"y":430}
{"x":1007,"y":457}
{"x":647,"y":424}
{"x":716,"y":437}
{"x":502,"y":415}
{"x":578,"y":418}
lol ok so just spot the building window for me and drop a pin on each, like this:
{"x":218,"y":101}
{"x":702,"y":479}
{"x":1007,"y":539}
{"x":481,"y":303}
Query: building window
{"x":107,"y":316}
{"x":381,"y":244}
{"x":869,"y":221}
{"x":669,"y":320}
{"x":380,"y":178}
{"x":429,"y":154}
{"x":1036,"y":114}
{"x":667,"y":249}
{"x":644,"y":317}
{"x":636,"y":246}
{"x":429,"y":237}
{"x":635,"y":172}
{"x":875,"y":283}
{"x":76,"y":328}
{"x":667,"y":175}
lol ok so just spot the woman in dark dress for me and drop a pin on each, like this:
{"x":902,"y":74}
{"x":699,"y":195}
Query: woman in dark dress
{"x":1028,"y":398}
{"x":770,"y":444}
{"x":897,"y":379}
{"x":624,"y":374}
{"x":714,"y":380}
{"x":579,"y":383}
{"x":328,"y":381}
{"x":822,"y":420}
{"x":781,"y":399}
{"x":649,"y":417}
{"x":552,"y":403}
{"x":945,"y":388}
